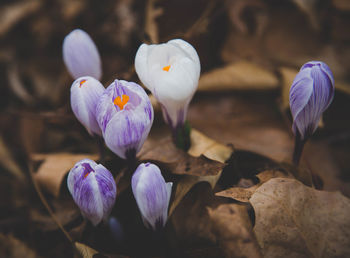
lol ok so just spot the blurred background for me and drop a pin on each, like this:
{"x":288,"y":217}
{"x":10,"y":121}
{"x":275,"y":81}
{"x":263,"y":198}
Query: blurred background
{"x":250,"y":52}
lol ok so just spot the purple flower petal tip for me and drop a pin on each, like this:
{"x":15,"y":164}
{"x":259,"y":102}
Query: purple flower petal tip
{"x":125,"y":116}
{"x":152,"y":195}
{"x":311,"y":93}
{"x":85,"y":93}
{"x":81,"y":56}
{"x":93,"y":189}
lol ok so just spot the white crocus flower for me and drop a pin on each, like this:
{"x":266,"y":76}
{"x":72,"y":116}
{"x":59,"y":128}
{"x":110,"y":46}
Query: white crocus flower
{"x":171,"y":72}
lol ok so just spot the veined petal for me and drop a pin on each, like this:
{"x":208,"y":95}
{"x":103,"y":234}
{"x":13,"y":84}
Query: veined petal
{"x":81,"y":56}
{"x":125,"y":127}
{"x":152,"y":195}
{"x":85,"y":93}
{"x":310,"y":95}
{"x":93,"y":189}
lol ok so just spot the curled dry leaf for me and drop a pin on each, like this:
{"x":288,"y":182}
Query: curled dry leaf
{"x":233,"y":231}
{"x":203,"y":145}
{"x":54,"y":167}
{"x":84,"y":250}
{"x":244,"y":194}
{"x":203,"y":163}
{"x":293,"y":220}
{"x":241,"y":75}
{"x":288,"y":75}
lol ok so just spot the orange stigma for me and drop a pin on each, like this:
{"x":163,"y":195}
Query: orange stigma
{"x":86,"y":174}
{"x":166,"y":68}
{"x":121,"y":101}
{"x":82,"y":82}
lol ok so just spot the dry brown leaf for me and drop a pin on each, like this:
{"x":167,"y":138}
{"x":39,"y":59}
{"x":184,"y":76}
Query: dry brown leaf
{"x":152,"y":13}
{"x":343,"y":86}
{"x":203,"y":145}
{"x":54,"y":167}
{"x":85,"y":251}
{"x":233,"y":231}
{"x":293,"y":220}
{"x":241,"y":75}
{"x":191,"y":169}
{"x":244,"y":194}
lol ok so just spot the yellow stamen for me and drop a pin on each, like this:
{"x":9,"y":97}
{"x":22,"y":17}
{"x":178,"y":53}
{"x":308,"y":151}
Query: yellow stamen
{"x":82,"y":82}
{"x":166,"y":68}
{"x":121,"y":101}
{"x":86,"y":174}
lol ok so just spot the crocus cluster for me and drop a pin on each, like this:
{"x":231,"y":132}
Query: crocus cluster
{"x":310,"y":95}
{"x":123,"y":115}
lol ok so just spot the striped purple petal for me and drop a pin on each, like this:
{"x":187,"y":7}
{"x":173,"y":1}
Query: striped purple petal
{"x":125,"y":116}
{"x":81,"y":56}
{"x":93,"y":189}
{"x":152,"y":195}
{"x":310,"y":95}
{"x":85,"y":93}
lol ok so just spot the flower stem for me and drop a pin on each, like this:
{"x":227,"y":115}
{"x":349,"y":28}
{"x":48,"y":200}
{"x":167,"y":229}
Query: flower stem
{"x":101,"y":148}
{"x":298,"y":149}
{"x":181,"y":136}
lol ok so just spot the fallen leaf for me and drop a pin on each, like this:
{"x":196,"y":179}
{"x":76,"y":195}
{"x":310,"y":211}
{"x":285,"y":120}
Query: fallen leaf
{"x":85,"y":251}
{"x":241,"y":75}
{"x":244,"y":194}
{"x":191,"y":169}
{"x":203,"y":145}
{"x":233,"y":231}
{"x":54,"y":167}
{"x":293,"y":220}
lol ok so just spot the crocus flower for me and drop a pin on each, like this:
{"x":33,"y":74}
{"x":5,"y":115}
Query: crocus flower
{"x":93,"y":189}
{"x":125,"y":116}
{"x":81,"y":56}
{"x":310,"y":95}
{"x":85,"y":93}
{"x":171,"y":72}
{"x":152,"y":195}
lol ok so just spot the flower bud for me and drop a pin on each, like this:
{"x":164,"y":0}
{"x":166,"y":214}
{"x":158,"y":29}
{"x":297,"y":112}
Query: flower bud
{"x":81,"y":56}
{"x":93,"y":189}
{"x":125,"y":116}
{"x":152,"y":195}
{"x":84,"y":95}
{"x":310,"y":95}
{"x":171,"y":72}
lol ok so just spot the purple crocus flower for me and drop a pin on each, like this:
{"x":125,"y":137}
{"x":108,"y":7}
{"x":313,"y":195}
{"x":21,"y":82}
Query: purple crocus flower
{"x":152,"y":195}
{"x":310,"y":95}
{"x":125,"y":116}
{"x":93,"y":189}
{"x":85,"y":93}
{"x":81,"y":56}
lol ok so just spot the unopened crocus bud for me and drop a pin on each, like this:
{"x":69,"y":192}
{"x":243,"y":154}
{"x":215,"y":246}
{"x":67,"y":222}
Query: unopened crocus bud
{"x":310,"y":95}
{"x":125,"y":116}
{"x":81,"y":56}
{"x":84,"y":95}
{"x":93,"y":189}
{"x":152,"y":195}
{"x":171,"y":72}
